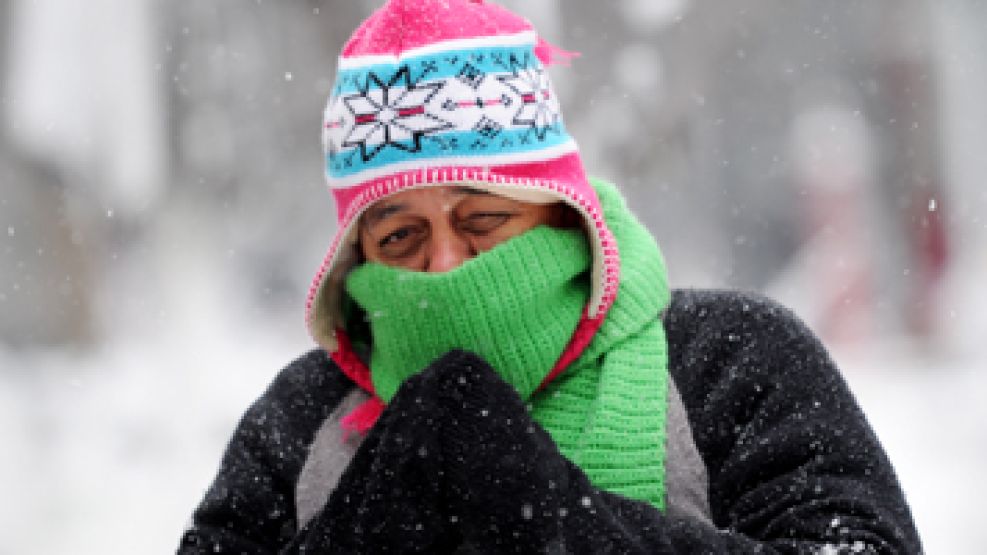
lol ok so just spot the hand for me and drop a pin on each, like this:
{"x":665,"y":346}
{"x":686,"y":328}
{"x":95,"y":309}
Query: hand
{"x":391,"y":496}
{"x":508,"y":484}
{"x":456,"y":462}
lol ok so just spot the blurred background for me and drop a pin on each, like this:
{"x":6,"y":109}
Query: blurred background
{"x":162,"y":210}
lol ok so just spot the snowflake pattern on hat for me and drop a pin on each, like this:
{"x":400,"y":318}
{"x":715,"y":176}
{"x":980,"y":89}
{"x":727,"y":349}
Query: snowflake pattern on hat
{"x":385,"y":115}
{"x":538,"y":108}
{"x":482,"y":102}
{"x":435,"y":92}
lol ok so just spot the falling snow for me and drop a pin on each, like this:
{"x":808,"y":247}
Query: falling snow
{"x":180,"y":345}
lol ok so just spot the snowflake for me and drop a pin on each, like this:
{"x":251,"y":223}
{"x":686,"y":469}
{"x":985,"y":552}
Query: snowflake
{"x":392,"y":114}
{"x":537,"y":105}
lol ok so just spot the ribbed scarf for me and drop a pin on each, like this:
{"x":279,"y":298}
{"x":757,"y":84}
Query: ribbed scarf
{"x":517,"y":306}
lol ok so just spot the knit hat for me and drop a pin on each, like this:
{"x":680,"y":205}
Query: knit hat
{"x":444,"y":92}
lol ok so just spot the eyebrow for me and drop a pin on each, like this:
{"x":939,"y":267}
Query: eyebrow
{"x":378,"y":213}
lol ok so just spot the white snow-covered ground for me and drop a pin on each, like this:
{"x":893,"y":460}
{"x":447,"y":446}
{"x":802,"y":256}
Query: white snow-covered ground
{"x":930,"y":415}
{"x":108,"y":451}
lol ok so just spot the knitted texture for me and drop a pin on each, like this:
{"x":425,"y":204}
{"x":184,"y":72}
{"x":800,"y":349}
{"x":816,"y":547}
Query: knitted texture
{"x":431,"y":92}
{"x":621,"y":380}
{"x":517,"y":306}
{"x":787,"y":448}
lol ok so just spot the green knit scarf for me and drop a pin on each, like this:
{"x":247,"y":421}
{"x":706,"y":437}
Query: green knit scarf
{"x":517,"y":306}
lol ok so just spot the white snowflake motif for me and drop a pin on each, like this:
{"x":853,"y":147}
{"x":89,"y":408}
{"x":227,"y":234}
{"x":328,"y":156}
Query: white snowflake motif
{"x":538,"y":107}
{"x":392,"y":114}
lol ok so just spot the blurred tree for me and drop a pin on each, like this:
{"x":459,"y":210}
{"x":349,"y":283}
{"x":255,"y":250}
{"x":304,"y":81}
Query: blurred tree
{"x":249,"y":81}
{"x":691,"y":106}
{"x":45,"y":278}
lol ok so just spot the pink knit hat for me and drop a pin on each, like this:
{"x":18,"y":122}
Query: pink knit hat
{"x":434,"y":92}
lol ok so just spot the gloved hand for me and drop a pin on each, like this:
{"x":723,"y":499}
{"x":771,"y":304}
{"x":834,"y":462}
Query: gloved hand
{"x":509,"y":487}
{"x":391,"y":496}
{"x":456,"y":464}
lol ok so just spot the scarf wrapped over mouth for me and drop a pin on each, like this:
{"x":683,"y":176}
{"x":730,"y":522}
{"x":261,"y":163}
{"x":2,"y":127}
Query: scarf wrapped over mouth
{"x":517,"y":307}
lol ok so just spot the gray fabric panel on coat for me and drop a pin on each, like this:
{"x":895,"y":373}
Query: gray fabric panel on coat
{"x":328,"y":457}
{"x":686,"y":480}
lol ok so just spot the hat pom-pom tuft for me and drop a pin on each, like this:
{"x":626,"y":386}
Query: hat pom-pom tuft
{"x":549,"y":54}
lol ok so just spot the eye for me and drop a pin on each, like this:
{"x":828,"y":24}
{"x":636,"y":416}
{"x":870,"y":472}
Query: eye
{"x":480,"y":223}
{"x":401,"y":242}
{"x":394,"y":237}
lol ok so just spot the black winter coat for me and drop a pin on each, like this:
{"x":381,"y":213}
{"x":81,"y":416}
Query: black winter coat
{"x":777,"y":458}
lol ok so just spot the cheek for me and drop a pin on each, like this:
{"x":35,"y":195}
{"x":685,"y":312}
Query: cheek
{"x":415,"y":263}
{"x":556,"y":215}
{"x":515,"y":227}
{"x":371,"y":253}
{"x":365,"y":247}
{"x":542,"y":215}
{"x":486,"y":242}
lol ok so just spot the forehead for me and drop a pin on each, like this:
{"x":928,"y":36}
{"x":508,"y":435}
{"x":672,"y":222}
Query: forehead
{"x":441,"y":192}
{"x":424,"y":198}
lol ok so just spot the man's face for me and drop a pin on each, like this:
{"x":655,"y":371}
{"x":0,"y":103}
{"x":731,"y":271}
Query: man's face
{"x":435,"y":229}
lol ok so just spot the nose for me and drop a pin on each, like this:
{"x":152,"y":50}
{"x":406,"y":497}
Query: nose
{"x":447,"y":250}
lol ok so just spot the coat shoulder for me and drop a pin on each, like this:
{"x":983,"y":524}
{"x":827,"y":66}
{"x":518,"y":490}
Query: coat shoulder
{"x":310,"y":373}
{"x":708,"y":327}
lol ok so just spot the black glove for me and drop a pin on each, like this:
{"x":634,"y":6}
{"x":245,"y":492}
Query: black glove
{"x":456,"y":464}
{"x":390,"y":499}
{"x":504,"y":472}
{"x":511,"y":489}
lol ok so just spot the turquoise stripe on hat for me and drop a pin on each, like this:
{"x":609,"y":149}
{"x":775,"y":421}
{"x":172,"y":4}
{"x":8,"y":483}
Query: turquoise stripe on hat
{"x":454,"y":144}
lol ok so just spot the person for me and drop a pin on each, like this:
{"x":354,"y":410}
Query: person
{"x":501,"y":365}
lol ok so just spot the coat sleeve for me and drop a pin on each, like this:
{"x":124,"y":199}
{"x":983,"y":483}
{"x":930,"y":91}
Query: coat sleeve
{"x":250,"y":506}
{"x":793,"y":464}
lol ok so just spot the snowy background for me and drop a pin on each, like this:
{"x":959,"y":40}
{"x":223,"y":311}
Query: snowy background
{"x":162,"y":211}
